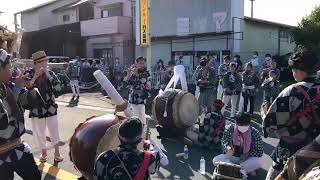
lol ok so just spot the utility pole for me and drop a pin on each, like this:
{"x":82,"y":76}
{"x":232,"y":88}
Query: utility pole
{"x":251,"y":8}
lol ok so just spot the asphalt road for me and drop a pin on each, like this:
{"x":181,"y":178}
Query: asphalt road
{"x":91,"y":104}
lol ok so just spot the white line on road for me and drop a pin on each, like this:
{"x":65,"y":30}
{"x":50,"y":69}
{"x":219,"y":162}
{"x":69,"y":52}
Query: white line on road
{"x":108,"y":110}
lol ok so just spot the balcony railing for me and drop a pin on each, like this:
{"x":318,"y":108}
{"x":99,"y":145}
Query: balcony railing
{"x":108,"y":25}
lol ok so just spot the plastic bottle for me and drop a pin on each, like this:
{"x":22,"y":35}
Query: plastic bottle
{"x":185,"y":152}
{"x":202,"y":165}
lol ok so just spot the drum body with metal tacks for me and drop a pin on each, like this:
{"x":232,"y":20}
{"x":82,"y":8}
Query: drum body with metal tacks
{"x":227,"y":171}
{"x":176,"y":108}
{"x":91,"y":138}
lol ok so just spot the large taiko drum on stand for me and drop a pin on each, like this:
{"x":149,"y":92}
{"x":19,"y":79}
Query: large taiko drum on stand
{"x":91,"y":138}
{"x":176,"y":108}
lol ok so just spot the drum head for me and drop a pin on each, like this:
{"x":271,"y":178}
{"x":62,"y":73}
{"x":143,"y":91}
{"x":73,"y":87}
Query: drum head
{"x":84,"y":142}
{"x":185,"y":109}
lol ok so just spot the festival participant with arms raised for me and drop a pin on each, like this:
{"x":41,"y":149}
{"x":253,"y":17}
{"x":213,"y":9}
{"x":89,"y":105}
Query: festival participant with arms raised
{"x":44,"y":114}
{"x":139,"y":80}
{"x":15,"y":155}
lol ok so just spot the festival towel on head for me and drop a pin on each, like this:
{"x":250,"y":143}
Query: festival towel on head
{"x":247,"y":139}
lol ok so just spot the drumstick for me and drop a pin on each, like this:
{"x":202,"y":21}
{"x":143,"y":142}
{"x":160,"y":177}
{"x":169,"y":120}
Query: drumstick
{"x":146,"y":146}
{"x":112,"y":92}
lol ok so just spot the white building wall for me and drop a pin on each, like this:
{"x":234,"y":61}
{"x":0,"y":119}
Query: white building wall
{"x":30,"y":21}
{"x":44,"y":17}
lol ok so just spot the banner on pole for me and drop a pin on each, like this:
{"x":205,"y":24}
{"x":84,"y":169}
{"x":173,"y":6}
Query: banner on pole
{"x":144,"y":23}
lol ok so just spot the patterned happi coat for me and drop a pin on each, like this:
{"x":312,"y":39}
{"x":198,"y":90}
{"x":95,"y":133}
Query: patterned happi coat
{"x":12,"y":121}
{"x":140,"y":87}
{"x":211,"y":131}
{"x":290,"y":101}
{"x":49,"y":88}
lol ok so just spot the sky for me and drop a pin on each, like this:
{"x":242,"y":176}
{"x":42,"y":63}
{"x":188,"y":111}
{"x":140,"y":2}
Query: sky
{"x":283,"y":11}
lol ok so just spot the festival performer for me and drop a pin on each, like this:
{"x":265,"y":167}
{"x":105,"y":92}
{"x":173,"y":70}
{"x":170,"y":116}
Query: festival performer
{"x":44,"y":114}
{"x":15,"y":155}
{"x":237,"y":60}
{"x":249,"y":82}
{"x":270,"y":66}
{"x":206,"y":80}
{"x":139,"y":81}
{"x":243,"y":145}
{"x":271,"y":87}
{"x":128,"y":162}
{"x":194,"y":78}
{"x":255,"y":61}
{"x":223,"y":69}
{"x":211,"y":129}
{"x":301,"y":163}
{"x":231,"y":84}
{"x":294,"y":115}
{"x":73,"y":73}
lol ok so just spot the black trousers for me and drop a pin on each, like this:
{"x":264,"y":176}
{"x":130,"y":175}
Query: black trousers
{"x":246,"y":99}
{"x":26,"y":168}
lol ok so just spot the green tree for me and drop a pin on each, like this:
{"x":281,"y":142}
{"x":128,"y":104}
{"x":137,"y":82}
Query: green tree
{"x":307,"y":33}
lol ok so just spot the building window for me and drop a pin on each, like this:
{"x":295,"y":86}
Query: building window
{"x":66,"y":18}
{"x":104,"y":13}
{"x":110,"y":11}
{"x":284,"y":34}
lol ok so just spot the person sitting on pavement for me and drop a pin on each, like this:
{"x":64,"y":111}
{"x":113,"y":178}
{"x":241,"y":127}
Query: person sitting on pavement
{"x":126,"y":161}
{"x":211,"y":129}
{"x":243,"y":145}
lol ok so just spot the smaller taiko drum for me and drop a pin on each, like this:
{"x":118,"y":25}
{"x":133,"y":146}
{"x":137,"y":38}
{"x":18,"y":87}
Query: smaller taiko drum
{"x":176,"y":108}
{"x":227,"y":171}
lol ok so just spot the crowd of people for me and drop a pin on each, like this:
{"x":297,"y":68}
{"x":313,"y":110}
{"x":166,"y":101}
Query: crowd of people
{"x":291,"y":115}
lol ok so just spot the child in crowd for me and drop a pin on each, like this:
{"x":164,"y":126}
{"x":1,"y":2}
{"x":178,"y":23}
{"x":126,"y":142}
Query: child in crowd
{"x":271,"y":87}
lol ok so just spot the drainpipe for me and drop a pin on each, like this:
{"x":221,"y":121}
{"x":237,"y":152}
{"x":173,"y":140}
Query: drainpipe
{"x":279,"y":30}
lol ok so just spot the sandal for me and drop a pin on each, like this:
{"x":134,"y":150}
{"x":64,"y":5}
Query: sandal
{"x":58,"y":159}
{"x":43,"y":158}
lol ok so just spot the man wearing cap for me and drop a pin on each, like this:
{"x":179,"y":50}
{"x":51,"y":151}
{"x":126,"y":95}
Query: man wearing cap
{"x":242,"y":144}
{"x":211,"y":129}
{"x":127,"y":162}
{"x":44,"y":114}
{"x":294,"y":115}
{"x":206,"y":80}
{"x":232,"y":85}
{"x":223,"y":69}
{"x":15,"y":155}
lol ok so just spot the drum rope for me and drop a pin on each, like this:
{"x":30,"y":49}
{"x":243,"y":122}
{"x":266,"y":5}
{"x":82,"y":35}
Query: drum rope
{"x":165,"y":114}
